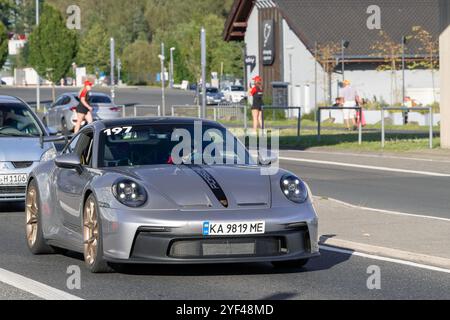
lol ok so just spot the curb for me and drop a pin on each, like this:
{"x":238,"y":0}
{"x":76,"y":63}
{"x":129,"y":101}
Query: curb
{"x":387,"y":252}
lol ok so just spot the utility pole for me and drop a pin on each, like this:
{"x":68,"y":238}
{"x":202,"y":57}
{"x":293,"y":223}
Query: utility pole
{"x":119,"y":68}
{"x":162,"y":57}
{"x":345,"y":45}
{"x":113,"y":69}
{"x":171,"y":77}
{"x":38,"y":81}
{"x":203,"y":64}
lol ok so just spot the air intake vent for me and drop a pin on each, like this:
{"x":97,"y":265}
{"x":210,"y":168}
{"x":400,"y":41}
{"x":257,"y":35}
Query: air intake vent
{"x":12,"y":190}
{"x":22,"y":165}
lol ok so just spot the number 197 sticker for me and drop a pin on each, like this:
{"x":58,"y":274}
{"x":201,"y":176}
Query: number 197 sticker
{"x":117,"y":131}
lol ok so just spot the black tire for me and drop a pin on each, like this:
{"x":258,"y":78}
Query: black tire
{"x":99,"y":265}
{"x":290,"y":264}
{"x":39,"y":245}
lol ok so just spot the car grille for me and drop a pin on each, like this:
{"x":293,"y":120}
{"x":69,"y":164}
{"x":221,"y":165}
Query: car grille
{"x":22,"y":164}
{"x":12,"y":190}
{"x":213,"y":248}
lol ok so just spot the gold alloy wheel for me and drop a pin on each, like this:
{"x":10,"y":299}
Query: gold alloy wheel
{"x":90,"y":232}
{"x":32,"y":216}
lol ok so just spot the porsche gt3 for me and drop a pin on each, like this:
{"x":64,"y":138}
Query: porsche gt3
{"x":117,"y":195}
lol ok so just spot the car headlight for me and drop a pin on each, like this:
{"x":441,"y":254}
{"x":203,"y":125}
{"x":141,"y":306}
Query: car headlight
{"x":294,"y":189}
{"x":49,"y":155}
{"x":129,"y":193}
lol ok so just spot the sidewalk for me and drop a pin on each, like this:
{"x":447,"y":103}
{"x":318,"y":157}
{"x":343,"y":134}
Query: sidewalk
{"x":422,"y":240}
{"x":434,"y":161}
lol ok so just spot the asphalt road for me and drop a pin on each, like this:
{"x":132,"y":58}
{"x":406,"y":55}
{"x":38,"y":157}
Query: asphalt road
{"x":332,"y":276}
{"x":140,"y":95}
{"x":403,"y":192}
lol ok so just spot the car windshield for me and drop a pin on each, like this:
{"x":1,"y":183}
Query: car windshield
{"x":237,"y":88}
{"x":170,"y":144}
{"x":212,"y":90}
{"x":16,"y":120}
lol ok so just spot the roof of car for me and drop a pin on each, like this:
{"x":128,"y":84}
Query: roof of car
{"x":6,"y":99}
{"x":92,"y":93}
{"x":149,"y":121}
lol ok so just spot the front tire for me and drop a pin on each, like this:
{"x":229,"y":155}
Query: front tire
{"x":92,"y":238}
{"x":34,"y":235}
{"x":290,"y":264}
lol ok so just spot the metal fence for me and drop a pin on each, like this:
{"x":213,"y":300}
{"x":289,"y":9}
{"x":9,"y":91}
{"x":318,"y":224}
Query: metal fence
{"x":407,"y":110}
{"x":299,"y":117}
{"x":141,"y":111}
{"x":319,"y":120}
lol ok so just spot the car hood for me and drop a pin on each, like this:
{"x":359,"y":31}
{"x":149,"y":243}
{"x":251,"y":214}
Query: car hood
{"x":21,"y":149}
{"x":244,"y":187}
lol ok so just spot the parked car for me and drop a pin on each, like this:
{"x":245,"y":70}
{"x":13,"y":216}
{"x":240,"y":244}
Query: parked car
{"x":235,"y":94}
{"x":117,"y":195}
{"x":62,"y":115}
{"x":213,"y":96}
{"x":24,"y":143}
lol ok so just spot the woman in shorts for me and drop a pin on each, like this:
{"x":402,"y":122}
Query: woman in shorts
{"x":84,"y":109}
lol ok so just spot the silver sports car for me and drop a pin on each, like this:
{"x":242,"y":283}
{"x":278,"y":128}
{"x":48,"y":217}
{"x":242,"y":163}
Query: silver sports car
{"x":119,"y":194}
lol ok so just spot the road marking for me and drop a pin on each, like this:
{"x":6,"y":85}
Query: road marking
{"x":35,"y":288}
{"x":368,"y":156}
{"x":350,"y":165}
{"x":396,"y":213}
{"x":379,"y":258}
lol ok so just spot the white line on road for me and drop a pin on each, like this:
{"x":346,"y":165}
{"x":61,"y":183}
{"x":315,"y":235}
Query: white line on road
{"x":395,"y":213}
{"x":373,"y":257}
{"x":35,"y":288}
{"x":367,"y":155}
{"x":351,"y":165}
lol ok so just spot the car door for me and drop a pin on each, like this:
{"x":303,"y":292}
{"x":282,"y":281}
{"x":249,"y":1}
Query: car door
{"x":51,"y":114}
{"x":61,"y":111}
{"x":70,"y":184}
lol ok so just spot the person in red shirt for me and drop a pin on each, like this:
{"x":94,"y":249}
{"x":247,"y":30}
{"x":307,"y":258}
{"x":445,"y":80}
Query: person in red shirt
{"x":257,"y":107}
{"x":84,"y":109}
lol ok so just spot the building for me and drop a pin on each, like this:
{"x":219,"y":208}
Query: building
{"x":297,"y":42}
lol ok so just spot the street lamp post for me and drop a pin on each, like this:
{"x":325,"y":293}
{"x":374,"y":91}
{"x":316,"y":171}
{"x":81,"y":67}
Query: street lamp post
{"x":171,"y":68}
{"x":345,"y":45}
{"x":112,"y":49}
{"x":203,"y":64}
{"x":406,"y":115}
{"x":163,"y":84}
{"x":119,"y":69}
{"x":38,"y":81}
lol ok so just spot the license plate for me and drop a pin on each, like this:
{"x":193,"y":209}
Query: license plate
{"x":13,"y":179}
{"x":233,"y":229}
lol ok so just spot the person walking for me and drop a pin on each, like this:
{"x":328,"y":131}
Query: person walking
{"x":84,"y":109}
{"x":350,"y":99}
{"x":257,"y":106}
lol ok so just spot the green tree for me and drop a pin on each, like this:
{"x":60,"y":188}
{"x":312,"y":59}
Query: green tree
{"x":3,"y":45}
{"x":52,"y":46}
{"x":94,"y":50}
{"x":140,"y":61}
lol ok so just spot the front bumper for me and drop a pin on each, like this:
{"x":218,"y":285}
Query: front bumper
{"x":16,"y":193}
{"x":176,"y":237}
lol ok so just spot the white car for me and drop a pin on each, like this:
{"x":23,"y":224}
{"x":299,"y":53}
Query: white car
{"x":235,"y":94}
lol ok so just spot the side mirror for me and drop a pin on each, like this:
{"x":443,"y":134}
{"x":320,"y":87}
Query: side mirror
{"x":267,"y":157}
{"x":69,"y":161}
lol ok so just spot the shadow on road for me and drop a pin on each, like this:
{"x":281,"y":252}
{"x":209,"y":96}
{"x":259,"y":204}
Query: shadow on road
{"x":325,"y":262}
